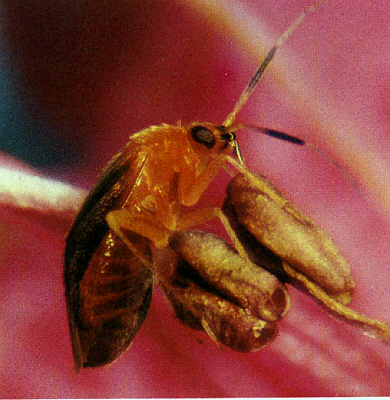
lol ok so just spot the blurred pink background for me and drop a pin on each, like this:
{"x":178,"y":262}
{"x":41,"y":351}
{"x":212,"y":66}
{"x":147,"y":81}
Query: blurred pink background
{"x":99,"y":71}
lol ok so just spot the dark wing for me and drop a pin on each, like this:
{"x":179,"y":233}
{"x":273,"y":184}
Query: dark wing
{"x":107,"y":289}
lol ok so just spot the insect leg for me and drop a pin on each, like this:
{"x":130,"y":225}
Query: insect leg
{"x":191,"y":187}
{"x":121,"y":221}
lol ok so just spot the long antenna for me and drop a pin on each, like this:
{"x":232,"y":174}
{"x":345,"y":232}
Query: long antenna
{"x":258,"y":74}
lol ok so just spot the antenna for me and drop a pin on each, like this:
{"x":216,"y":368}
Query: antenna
{"x":258,"y":74}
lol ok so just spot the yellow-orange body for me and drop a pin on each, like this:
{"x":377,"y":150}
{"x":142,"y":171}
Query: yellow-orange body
{"x":136,"y":202}
{"x":171,"y":169}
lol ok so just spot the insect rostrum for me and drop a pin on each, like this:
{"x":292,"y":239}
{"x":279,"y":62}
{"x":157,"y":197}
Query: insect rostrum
{"x":235,"y":294}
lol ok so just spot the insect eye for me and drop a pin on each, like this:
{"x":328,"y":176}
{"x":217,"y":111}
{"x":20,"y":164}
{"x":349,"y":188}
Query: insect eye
{"x":202,"y":135}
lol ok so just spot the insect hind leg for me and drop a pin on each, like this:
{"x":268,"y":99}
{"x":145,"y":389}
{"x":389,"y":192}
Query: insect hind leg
{"x":123,"y":221}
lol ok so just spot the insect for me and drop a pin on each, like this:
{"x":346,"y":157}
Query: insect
{"x":132,"y":231}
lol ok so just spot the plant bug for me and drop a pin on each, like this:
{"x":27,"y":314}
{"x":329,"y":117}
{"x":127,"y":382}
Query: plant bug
{"x":135,"y":211}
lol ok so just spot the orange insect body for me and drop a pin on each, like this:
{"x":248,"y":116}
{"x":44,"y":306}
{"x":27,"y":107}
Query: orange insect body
{"x":141,"y":190}
{"x":175,"y":164}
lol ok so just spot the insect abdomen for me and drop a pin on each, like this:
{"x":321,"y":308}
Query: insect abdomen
{"x":115,"y":294}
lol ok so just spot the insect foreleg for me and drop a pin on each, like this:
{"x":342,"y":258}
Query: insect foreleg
{"x":191,"y":187}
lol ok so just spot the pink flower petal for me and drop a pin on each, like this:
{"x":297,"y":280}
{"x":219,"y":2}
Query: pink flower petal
{"x":105,"y":70}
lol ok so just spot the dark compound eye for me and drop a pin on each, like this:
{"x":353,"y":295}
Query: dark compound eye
{"x":202,"y":135}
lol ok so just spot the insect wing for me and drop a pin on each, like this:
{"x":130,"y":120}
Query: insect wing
{"x":108,"y":290}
